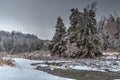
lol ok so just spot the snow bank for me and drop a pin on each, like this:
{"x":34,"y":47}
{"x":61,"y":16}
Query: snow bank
{"x":97,"y":65}
{"x":111,"y":55}
{"x":86,"y":68}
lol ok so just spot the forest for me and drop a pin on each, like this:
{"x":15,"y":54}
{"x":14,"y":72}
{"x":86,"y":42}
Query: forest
{"x":16,"y":42}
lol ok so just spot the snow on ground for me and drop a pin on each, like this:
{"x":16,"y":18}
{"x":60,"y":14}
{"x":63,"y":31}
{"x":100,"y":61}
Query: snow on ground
{"x":86,"y":64}
{"x":110,"y":62}
{"x":112,"y":55}
{"x":97,"y":65}
{"x":24,"y":71}
{"x":25,"y":63}
{"x":86,"y":68}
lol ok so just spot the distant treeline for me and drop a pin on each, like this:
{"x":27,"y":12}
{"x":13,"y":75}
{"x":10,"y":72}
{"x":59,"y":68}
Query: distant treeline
{"x":17,"y":42}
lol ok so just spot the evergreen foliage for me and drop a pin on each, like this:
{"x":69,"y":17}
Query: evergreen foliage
{"x":54,"y":46}
{"x":81,"y":39}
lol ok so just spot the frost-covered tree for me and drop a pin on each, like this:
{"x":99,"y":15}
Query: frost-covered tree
{"x":88,"y":41}
{"x":17,"y":42}
{"x":81,"y":39}
{"x":102,"y":33}
{"x":55,"y":42}
{"x":109,"y":29}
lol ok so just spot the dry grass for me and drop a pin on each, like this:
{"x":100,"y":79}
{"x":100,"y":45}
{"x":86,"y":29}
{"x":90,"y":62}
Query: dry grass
{"x":8,"y":62}
{"x":36,"y":55}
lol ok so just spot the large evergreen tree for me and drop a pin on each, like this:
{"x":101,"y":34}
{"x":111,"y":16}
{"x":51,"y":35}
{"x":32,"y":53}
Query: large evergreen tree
{"x":88,"y":42}
{"x":55,"y":43}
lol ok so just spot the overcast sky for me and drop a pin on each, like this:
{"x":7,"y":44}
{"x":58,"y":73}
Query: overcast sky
{"x":39,"y":16}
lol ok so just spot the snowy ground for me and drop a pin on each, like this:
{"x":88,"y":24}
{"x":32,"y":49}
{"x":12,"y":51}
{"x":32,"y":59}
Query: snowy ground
{"x":109,"y":63}
{"x":106,"y":65}
{"x":24,"y":71}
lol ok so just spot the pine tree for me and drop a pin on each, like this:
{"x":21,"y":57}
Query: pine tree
{"x":55,"y":43}
{"x":87,"y":40}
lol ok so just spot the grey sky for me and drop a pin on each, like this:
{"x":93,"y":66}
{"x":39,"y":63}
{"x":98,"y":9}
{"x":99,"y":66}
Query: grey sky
{"x":39,"y":16}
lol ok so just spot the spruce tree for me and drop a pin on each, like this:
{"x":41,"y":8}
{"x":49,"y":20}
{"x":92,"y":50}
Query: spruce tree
{"x":55,"y":43}
{"x":82,"y":40}
{"x":87,"y":39}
